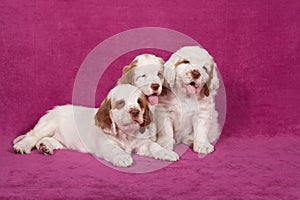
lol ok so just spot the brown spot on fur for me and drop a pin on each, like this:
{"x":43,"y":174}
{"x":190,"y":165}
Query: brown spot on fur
{"x":162,"y":62}
{"x":102,"y":117}
{"x":43,"y":149}
{"x":181,"y":62}
{"x":207,"y":85}
{"x":147,"y":113}
{"x":205,"y":90}
{"x":130,"y":67}
{"x":128,"y":73}
{"x":142,"y":102}
{"x":164,"y":91}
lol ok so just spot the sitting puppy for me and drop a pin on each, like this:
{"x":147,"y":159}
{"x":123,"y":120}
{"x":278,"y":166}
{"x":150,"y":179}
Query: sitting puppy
{"x":189,"y":109}
{"x":146,"y":72}
{"x":111,"y":133}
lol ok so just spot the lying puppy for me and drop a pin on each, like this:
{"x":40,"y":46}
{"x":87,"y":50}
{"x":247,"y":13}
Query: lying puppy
{"x":111,"y":133}
{"x":146,"y":72}
{"x":189,"y":110}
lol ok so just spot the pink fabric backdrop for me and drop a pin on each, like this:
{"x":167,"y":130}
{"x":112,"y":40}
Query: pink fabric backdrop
{"x":256,"y":47}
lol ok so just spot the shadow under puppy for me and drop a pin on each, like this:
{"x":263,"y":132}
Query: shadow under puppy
{"x":112,"y":132}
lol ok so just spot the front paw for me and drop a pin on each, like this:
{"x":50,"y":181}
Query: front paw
{"x":165,"y":154}
{"x":203,"y":147}
{"x":167,"y":144}
{"x":123,"y":160}
{"x":22,"y":147}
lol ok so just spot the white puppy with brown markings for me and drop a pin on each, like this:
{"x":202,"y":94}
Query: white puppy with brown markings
{"x":146,"y":72}
{"x":112,"y":132}
{"x":189,"y":114}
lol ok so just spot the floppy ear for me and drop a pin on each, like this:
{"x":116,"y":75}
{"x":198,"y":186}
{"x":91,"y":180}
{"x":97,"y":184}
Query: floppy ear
{"x":128,"y":74}
{"x":205,"y":90}
{"x":103,"y":118}
{"x":162,"y":62}
{"x":169,"y":69}
{"x":147,"y":117}
{"x":213,"y":82}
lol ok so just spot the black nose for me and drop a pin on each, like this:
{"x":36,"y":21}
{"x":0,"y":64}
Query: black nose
{"x":134,"y":112}
{"x":155,"y":86}
{"x":195,"y":73}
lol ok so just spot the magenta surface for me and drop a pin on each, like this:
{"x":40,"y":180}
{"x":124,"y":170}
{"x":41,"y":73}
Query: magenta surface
{"x":256,"y":47}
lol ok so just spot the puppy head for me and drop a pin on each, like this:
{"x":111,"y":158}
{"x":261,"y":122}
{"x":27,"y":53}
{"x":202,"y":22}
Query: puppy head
{"x":193,"y":69}
{"x":145,"y":72}
{"x":124,"y":109}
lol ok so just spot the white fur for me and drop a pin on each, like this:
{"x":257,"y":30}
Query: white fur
{"x":149,"y":70}
{"x":184,"y":116}
{"x":73,"y":127}
{"x":146,"y":73}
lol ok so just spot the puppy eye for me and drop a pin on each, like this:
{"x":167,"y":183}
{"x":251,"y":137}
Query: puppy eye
{"x":120,"y":104}
{"x":159,"y":74}
{"x":142,"y":76}
{"x":205,"y":69}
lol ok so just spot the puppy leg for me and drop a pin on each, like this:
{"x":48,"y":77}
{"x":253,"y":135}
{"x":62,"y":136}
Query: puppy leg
{"x":114,"y":154}
{"x":165,"y":133}
{"x":214,"y":131}
{"x":45,"y":127}
{"x":47,"y":145}
{"x":201,"y":143}
{"x":152,"y":149}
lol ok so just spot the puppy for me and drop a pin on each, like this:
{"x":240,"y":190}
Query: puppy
{"x":112,"y":132}
{"x":189,"y":115}
{"x":146,"y":72}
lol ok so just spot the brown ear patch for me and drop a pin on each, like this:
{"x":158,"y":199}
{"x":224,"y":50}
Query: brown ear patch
{"x":102,"y":117}
{"x":130,"y":67}
{"x":205,"y":90}
{"x":206,"y":87}
{"x":162,"y":62}
{"x":147,"y":113}
{"x":128,"y":73}
{"x":181,"y":62}
{"x":142,"y":102}
{"x":147,"y":116}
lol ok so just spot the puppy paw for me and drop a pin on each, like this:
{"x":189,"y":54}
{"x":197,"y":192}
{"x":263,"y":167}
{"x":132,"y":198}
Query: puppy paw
{"x":22,"y":147}
{"x":203,"y":147}
{"x":168,"y":144}
{"x":123,"y":160}
{"x":165,"y":154}
{"x":46,"y":149}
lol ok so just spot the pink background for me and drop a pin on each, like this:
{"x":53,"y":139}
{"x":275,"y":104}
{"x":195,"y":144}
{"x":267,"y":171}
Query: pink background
{"x":256,"y":47}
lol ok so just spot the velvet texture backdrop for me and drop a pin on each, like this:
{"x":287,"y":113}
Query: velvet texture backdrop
{"x":256,"y":47}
